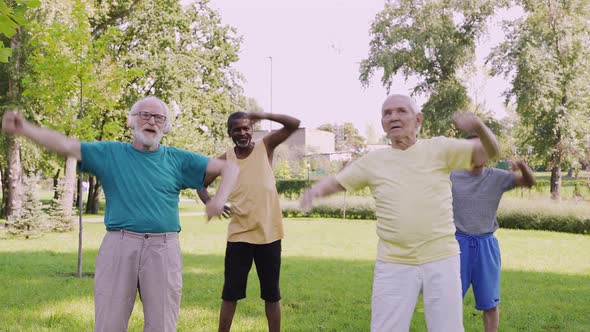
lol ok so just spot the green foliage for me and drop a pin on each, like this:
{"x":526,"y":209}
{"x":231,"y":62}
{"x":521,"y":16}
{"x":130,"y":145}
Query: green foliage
{"x":282,"y":170}
{"x":74,"y":82}
{"x":513,"y":213}
{"x":348,"y":138}
{"x":87,"y":62}
{"x":251,"y":105}
{"x":291,"y":188}
{"x":546,"y":55}
{"x":184,"y":56}
{"x":29,"y":220}
{"x":326,"y":211}
{"x":59,"y":219}
{"x":12,"y":15}
{"x":543,"y":221}
{"x":432,"y":41}
{"x":446,"y":98}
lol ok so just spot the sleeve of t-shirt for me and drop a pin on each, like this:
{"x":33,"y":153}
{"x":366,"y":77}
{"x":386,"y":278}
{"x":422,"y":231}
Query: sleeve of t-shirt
{"x":506,"y":180}
{"x":195,"y":167}
{"x":458,"y":152}
{"x":94,"y":157}
{"x":355,"y":175}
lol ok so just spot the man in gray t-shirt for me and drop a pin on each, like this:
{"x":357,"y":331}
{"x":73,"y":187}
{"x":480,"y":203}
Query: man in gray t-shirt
{"x":476,"y":196}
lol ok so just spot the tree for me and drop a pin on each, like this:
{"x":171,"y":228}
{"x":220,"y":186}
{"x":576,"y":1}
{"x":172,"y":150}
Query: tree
{"x":546,"y":54}
{"x":347,"y":137}
{"x":433,"y":41}
{"x":68,"y":82}
{"x":12,"y":15}
{"x":60,"y":219}
{"x":251,"y":105}
{"x":185,"y":57}
{"x":282,"y":170}
{"x":29,"y":221}
{"x":373,"y":137}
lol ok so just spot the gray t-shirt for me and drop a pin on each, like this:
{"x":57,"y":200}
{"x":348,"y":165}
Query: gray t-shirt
{"x":476,"y":198}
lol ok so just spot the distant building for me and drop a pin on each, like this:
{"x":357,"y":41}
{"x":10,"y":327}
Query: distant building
{"x":312,"y":141}
{"x":319,"y":144}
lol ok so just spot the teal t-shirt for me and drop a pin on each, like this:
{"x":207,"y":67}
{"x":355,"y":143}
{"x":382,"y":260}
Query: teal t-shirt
{"x":142,"y":187}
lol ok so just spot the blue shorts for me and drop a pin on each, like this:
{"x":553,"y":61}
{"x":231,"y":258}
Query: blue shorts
{"x":480,"y":267}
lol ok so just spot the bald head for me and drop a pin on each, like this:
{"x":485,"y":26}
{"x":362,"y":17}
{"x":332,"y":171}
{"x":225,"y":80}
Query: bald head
{"x":400,"y":101}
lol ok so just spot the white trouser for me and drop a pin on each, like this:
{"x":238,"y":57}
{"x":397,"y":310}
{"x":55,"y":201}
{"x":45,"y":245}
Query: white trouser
{"x":396,"y":288}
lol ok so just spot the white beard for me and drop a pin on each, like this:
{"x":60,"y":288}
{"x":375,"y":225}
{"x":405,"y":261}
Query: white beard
{"x":146,"y":140}
{"x":243,"y":145}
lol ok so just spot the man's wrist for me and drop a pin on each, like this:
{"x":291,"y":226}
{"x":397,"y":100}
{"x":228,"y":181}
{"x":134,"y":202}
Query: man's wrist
{"x":480,"y":128}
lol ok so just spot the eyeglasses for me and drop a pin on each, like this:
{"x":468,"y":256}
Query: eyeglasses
{"x":147,"y":116}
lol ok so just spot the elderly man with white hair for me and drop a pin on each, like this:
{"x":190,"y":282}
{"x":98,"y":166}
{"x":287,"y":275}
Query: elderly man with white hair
{"x":417,"y":251}
{"x":142,"y":181}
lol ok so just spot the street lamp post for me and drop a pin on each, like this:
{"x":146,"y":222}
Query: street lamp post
{"x":270,"y":58}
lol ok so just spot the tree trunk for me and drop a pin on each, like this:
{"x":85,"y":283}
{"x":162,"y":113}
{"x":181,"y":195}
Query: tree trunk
{"x":15,"y":168}
{"x":15,"y":177}
{"x":4,"y":194}
{"x":556,"y":183}
{"x":69,"y":186}
{"x":94,"y":188}
{"x":78,"y":193}
{"x":55,"y":185}
{"x":570,"y":173}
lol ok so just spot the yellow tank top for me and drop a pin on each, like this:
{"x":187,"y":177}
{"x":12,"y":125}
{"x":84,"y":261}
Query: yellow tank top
{"x":255,"y":205}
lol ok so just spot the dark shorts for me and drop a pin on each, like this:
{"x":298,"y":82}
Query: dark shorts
{"x":480,"y":267}
{"x":238,"y":262}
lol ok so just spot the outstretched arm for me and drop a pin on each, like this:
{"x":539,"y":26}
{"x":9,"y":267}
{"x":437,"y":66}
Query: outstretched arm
{"x":526,"y":179}
{"x":488,"y":148}
{"x":229,"y":173}
{"x":325,"y":187}
{"x":272,"y":140}
{"x":13,"y":123}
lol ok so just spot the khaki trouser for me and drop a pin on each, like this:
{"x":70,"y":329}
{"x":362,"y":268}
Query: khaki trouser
{"x":128,"y":262}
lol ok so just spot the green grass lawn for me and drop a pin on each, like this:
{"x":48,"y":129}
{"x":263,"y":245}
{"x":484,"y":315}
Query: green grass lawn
{"x":326,"y":280}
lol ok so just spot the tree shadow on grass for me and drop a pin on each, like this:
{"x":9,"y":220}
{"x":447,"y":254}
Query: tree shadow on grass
{"x":39,"y":293}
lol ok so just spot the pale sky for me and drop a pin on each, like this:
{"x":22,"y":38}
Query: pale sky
{"x":316,"y":47}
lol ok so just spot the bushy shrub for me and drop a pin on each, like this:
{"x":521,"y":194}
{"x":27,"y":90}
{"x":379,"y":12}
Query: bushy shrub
{"x":293,"y":189}
{"x":324,"y":211}
{"x":513,"y":213}
{"x":545,"y":222}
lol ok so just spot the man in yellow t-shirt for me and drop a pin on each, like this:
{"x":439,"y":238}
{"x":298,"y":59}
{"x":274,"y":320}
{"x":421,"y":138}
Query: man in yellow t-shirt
{"x":417,"y":250}
{"x":256,"y":228}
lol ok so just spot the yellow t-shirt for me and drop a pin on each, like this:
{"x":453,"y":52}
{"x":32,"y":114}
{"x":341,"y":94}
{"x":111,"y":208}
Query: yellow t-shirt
{"x":413,"y":196}
{"x":256,"y":213}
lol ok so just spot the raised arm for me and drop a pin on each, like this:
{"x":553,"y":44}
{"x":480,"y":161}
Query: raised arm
{"x":13,"y":123}
{"x":229,"y":173}
{"x":272,"y":140}
{"x":526,"y":177}
{"x":325,"y":187}
{"x":487,"y":147}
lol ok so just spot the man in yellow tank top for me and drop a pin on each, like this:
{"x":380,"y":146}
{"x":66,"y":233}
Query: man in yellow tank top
{"x":417,"y":251}
{"x":256,"y":227}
